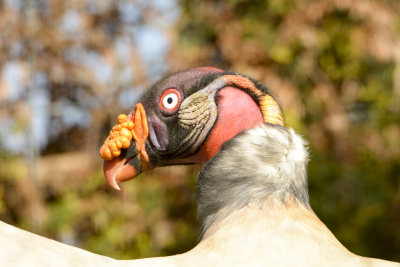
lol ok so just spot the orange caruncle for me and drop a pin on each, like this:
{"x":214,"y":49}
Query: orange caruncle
{"x":120,"y":137}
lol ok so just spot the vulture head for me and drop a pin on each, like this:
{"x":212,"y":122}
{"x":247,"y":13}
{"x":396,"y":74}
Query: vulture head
{"x":186,"y":118}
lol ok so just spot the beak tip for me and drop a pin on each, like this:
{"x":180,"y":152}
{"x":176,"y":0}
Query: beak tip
{"x":111,"y":168}
{"x":115,"y":186}
{"x":112,"y":182}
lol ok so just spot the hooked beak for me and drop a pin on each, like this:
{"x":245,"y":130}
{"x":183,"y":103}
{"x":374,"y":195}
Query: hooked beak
{"x":125,"y":160}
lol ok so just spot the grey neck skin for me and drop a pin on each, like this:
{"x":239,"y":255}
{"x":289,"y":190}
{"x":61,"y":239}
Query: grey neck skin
{"x":261,"y":166}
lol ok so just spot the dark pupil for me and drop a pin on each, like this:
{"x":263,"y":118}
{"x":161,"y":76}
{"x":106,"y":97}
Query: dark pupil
{"x":169,"y":100}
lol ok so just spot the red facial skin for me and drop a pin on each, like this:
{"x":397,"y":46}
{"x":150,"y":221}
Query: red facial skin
{"x":237,"y":111}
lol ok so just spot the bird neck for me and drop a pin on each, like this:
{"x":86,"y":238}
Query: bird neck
{"x":266,"y":163}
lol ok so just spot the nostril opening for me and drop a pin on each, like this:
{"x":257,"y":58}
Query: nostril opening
{"x":130,"y":152}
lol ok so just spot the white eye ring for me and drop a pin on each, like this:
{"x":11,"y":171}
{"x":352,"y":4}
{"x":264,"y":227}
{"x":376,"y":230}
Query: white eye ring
{"x":170,"y":99}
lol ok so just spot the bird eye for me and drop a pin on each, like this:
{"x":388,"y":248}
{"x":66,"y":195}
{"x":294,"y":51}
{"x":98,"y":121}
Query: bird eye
{"x":169,"y":100}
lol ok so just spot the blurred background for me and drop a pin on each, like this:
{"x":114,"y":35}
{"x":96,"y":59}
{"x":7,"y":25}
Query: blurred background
{"x":68,"y":68}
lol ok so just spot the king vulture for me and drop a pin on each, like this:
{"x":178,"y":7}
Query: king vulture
{"x":252,"y":194}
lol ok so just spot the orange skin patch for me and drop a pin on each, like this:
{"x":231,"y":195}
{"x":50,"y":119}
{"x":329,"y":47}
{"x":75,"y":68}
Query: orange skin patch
{"x":122,"y":133}
{"x":140,"y":134}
